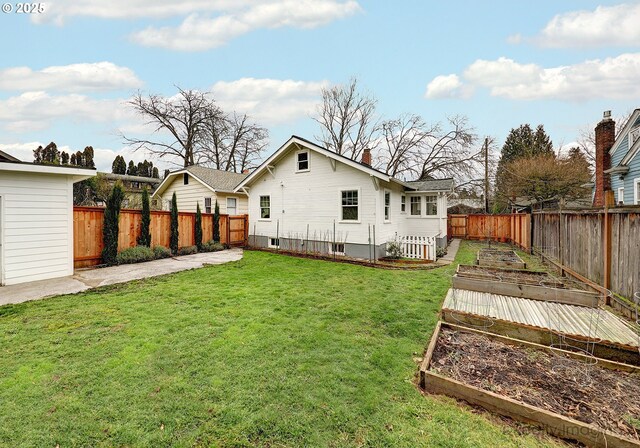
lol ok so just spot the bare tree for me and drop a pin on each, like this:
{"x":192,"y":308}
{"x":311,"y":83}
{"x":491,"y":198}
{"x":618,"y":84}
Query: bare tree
{"x":231,"y":142}
{"x":347,"y":119}
{"x":587,"y":138}
{"x":178,"y":121}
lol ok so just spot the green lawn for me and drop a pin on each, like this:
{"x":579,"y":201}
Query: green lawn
{"x":269,"y":351}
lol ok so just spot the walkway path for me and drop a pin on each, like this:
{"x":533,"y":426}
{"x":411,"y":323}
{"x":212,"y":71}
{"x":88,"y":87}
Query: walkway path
{"x":92,"y":278}
{"x":452,"y":250}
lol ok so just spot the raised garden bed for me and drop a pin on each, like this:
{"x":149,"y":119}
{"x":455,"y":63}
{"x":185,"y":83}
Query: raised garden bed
{"x":516,"y":379}
{"x":499,"y":258}
{"x":519,"y":283}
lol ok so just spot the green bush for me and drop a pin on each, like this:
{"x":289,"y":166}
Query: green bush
{"x":188,"y":250}
{"x":161,"y":252}
{"x":197,"y":231}
{"x":173,"y":241}
{"x":441,"y":252}
{"x":145,"y":235}
{"x":212,"y":246}
{"x":136,"y":254}
{"x":394,"y":249}
{"x":110,"y":229}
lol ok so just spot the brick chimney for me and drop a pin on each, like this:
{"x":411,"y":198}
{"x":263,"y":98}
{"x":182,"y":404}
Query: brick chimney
{"x":366,"y":157}
{"x":605,"y":137}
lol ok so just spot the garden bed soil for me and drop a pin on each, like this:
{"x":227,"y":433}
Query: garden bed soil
{"x":608,"y":400}
{"x":513,"y":276}
{"x":499,"y":258}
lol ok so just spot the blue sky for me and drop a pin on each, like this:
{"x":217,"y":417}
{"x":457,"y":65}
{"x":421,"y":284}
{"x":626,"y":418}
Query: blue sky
{"x":66,"y":72}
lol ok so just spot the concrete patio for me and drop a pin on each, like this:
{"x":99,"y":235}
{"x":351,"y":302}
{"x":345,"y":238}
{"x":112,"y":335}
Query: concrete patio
{"x":92,"y":278}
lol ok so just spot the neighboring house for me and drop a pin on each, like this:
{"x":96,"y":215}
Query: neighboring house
{"x":36,"y":220}
{"x":303,"y":186}
{"x":618,"y":161}
{"x":133,"y":186}
{"x":197,"y":184}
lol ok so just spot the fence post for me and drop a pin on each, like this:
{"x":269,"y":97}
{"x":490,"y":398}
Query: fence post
{"x":607,"y":249}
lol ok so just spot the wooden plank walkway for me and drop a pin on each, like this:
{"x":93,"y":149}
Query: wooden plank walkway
{"x":560,"y":317}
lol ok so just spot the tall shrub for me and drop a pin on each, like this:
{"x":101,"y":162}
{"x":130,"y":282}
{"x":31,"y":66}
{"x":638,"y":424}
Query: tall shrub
{"x":216,"y":223}
{"x":173,"y":241}
{"x":110,"y":229}
{"x":197,"y":232}
{"x":145,"y":231}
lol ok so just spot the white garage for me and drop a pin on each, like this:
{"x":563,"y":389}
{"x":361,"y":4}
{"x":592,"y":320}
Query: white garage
{"x":36,"y":220}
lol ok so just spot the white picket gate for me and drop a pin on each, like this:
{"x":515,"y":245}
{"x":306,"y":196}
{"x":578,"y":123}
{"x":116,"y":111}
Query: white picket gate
{"x":419,"y":247}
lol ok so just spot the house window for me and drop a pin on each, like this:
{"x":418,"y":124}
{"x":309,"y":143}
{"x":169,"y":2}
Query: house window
{"x":633,"y":136}
{"x":185,"y":179}
{"x":403,"y":203}
{"x":387,"y":205}
{"x":415,"y":206}
{"x":265,"y":207}
{"x":207,"y":205}
{"x":232,"y":208}
{"x":350,"y":205}
{"x":636,"y":191}
{"x":432,"y":205}
{"x":620,"y":198}
{"x":302,"y":159}
{"x":336,"y":248}
{"x":274,"y":242}
{"x":135,"y":185}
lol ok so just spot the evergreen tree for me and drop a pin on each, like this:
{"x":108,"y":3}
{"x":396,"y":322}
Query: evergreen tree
{"x":64,"y":158}
{"x":197,"y":231}
{"x":166,"y":173}
{"x":79,"y":158}
{"x":110,"y":229}
{"x":216,"y":223}
{"x":132,"y":170}
{"x":173,"y":241}
{"x":73,"y":160}
{"x":87,"y":157}
{"x":119,"y":165}
{"x":37,"y":155}
{"x":145,"y":233}
{"x":155,"y":174}
{"x":50,"y":154}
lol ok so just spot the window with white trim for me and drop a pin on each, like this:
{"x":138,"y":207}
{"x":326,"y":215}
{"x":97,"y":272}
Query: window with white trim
{"x":232,"y":206}
{"x":636,"y":191}
{"x":387,"y":205}
{"x":302,"y":161}
{"x":265,"y":207}
{"x":207,"y":205}
{"x":634,"y":135}
{"x":620,"y":198}
{"x":432,"y":205}
{"x":336,"y":248}
{"x":274,"y":242}
{"x":350,"y":205}
{"x":415,"y":205}
{"x":403,"y":204}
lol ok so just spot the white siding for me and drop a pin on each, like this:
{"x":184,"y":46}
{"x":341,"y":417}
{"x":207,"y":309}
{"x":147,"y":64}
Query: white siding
{"x":37,"y":226}
{"x":314,"y":198}
{"x":189,"y":195}
{"x":426,"y":225}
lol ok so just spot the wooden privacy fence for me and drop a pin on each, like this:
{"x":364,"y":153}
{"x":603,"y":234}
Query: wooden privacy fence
{"x":513,"y":228}
{"x":88,"y":222}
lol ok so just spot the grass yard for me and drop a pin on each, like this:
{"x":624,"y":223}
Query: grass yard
{"x":270,"y":351}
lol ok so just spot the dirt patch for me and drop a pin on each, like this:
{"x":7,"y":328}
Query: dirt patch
{"x":607,"y":399}
{"x":517,"y":276}
{"x":498,"y":255}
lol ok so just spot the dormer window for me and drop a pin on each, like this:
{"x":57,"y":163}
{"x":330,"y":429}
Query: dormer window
{"x":634,"y":135}
{"x":302,"y":160}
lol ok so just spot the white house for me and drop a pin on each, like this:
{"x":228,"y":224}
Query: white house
{"x":36,"y":220}
{"x":306,"y":194}
{"x":197,"y":184}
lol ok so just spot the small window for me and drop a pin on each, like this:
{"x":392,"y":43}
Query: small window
{"x":620,"y":198}
{"x":336,"y":248}
{"x":432,"y":205}
{"x":265,"y":207}
{"x":415,"y":206}
{"x":232,"y":208}
{"x":207,"y":205}
{"x":403,"y":204}
{"x":135,"y":185}
{"x":387,"y":205}
{"x":274,"y":242}
{"x":185,"y":179}
{"x":350,"y":205}
{"x":634,"y":135}
{"x":303,"y":161}
{"x":636,"y":191}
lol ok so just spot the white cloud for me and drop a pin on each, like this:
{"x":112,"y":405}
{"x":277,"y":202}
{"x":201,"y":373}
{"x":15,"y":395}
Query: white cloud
{"x":31,"y":111}
{"x":610,"y":78}
{"x":201,"y":32}
{"x":100,"y":76}
{"x":604,"y":26}
{"x":269,"y":101}
{"x":447,"y":86}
